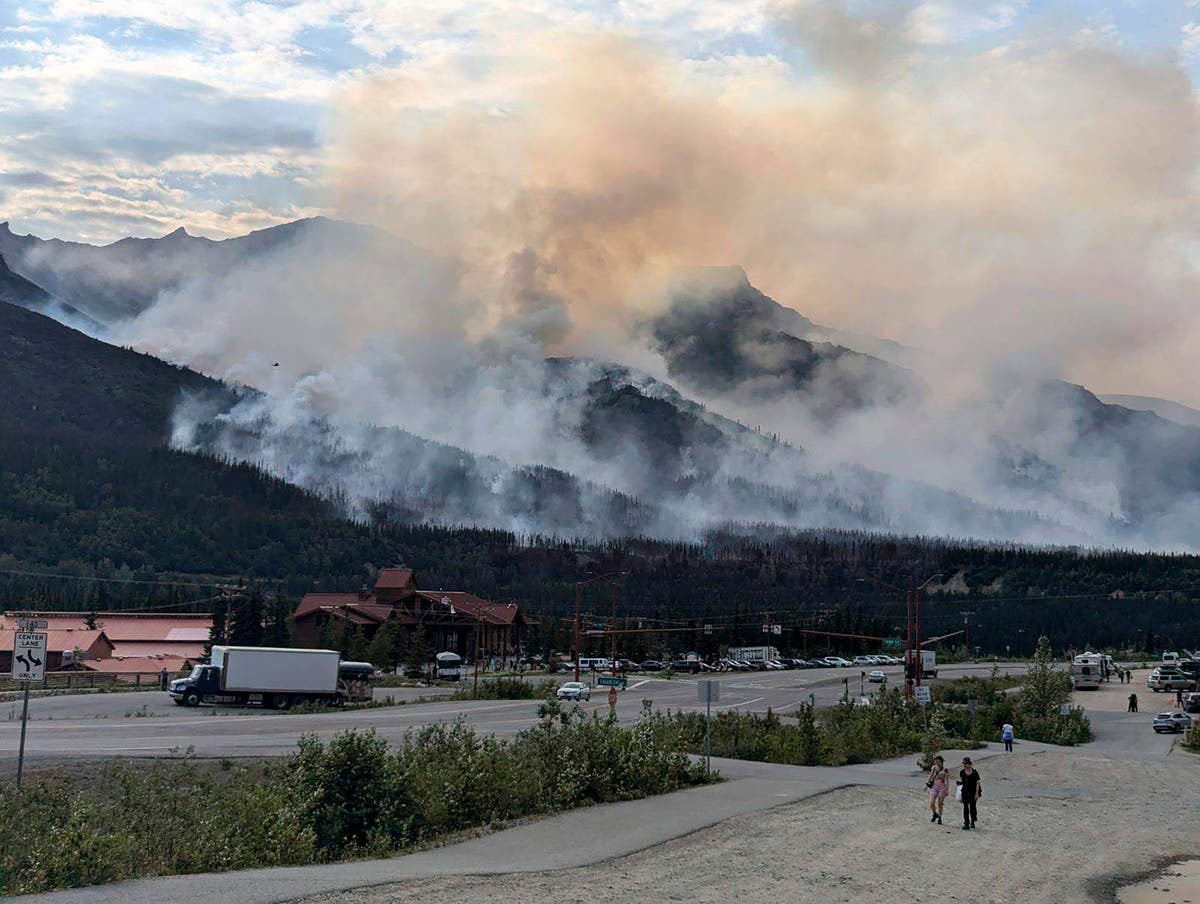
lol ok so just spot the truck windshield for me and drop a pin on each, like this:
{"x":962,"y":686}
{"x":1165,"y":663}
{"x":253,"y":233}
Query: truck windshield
{"x":197,"y":672}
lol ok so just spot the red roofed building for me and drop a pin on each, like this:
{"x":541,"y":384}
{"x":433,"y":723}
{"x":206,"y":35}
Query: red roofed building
{"x":63,"y":646}
{"x":449,"y":618}
{"x":133,"y":634}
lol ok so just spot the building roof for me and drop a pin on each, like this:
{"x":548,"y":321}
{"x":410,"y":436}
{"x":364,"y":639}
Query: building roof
{"x":189,"y":649}
{"x":64,"y":641}
{"x":127,"y":625}
{"x":395,"y":579}
{"x":138,"y":664}
{"x":311,"y":602}
{"x":492,"y":613}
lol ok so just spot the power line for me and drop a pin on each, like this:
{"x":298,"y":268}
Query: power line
{"x":79,"y":577}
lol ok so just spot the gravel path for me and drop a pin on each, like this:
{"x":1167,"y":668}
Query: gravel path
{"x":876,"y":844}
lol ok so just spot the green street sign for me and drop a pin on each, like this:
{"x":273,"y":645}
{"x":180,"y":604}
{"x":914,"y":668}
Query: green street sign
{"x":611,"y":681}
{"x":891,"y":641}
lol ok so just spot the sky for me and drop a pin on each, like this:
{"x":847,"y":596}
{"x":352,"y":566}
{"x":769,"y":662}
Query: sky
{"x":132,"y":117}
{"x":1009,"y":177}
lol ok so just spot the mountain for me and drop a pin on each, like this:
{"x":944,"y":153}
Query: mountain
{"x":115,"y":282}
{"x":17,"y":290}
{"x":720,"y":336}
{"x":1165,"y":408}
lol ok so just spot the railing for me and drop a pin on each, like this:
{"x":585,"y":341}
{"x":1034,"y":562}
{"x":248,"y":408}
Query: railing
{"x":73,"y":680}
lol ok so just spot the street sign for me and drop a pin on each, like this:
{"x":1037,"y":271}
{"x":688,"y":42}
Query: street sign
{"x":612,"y":681}
{"x":32,"y":624}
{"x":1064,"y":709}
{"x":708,"y":629}
{"x":710,"y":691}
{"x":922,"y":694}
{"x":891,"y":641}
{"x":776,"y":629}
{"x":29,"y":656}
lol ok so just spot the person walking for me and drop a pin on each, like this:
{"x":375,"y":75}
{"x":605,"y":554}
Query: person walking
{"x":1133,"y":703}
{"x":939,"y":777}
{"x":1179,"y":697}
{"x":971,"y":788}
{"x":1006,"y":734}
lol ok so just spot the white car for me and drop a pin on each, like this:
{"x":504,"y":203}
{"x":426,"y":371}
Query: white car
{"x":877,"y":677}
{"x":574,"y":690}
{"x":1172,"y":722}
{"x":838,"y":661}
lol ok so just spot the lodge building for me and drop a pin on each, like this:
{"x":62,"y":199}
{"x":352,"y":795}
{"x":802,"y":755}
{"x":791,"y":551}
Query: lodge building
{"x":449,"y":618}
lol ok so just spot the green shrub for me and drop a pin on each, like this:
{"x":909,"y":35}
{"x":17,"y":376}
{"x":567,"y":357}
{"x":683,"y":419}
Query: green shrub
{"x":508,"y":688}
{"x":351,"y":796}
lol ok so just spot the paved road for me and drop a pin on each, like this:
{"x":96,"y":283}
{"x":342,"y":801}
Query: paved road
{"x":97,"y":725}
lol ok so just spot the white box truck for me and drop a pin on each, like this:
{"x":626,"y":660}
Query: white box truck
{"x":753,"y":654}
{"x":274,"y":677}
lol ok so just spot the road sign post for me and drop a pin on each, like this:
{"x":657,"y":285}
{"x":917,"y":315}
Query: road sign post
{"x":613,"y":681}
{"x":710,"y":693}
{"x":922,"y":694}
{"x":28,"y":665}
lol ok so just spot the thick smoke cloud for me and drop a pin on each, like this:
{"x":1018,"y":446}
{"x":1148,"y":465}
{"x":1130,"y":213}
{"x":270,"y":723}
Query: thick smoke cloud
{"x":1012,"y":215}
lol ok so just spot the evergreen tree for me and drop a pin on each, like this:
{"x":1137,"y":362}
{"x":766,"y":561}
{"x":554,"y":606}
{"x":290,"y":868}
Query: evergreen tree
{"x":418,"y":653}
{"x":217,"y":633}
{"x":246,"y":623}
{"x":277,"y":628}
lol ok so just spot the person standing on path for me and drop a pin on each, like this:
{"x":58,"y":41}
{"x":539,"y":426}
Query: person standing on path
{"x":1133,"y":703}
{"x":972,"y":789}
{"x":1006,"y":734}
{"x":939,"y":776}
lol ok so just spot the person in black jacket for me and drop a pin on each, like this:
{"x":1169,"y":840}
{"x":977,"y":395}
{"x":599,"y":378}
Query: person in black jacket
{"x":972,"y":790}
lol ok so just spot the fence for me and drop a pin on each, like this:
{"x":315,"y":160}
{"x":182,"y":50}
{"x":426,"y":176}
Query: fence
{"x":71,"y":680}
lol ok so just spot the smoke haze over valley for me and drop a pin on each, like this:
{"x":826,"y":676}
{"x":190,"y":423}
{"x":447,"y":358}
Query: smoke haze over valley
{"x":603,"y":288}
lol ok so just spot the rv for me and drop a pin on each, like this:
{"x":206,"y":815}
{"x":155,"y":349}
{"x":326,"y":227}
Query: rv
{"x":1087,"y":671}
{"x":448,"y":666}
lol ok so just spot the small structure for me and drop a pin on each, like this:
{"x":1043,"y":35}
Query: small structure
{"x":128,"y":635}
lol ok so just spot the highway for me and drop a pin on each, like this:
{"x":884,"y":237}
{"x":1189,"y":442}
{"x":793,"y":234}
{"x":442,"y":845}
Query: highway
{"x":149,"y":724}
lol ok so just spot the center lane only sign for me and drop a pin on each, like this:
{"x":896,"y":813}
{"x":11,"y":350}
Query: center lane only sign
{"x":29,"y":656}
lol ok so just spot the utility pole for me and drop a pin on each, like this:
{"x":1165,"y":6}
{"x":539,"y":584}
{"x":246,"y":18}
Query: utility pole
{"x":612,"y":591}
{"x":578,"y":600}
{"x":967,"y":632}
{"x":909,"y":664}
{"x":478,"y":628}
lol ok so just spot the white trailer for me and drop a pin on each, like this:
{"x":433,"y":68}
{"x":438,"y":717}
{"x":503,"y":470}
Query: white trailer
{"x":273,"y":676}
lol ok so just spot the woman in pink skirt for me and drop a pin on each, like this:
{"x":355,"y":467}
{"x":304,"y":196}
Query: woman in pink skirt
{"x":938,"y":788}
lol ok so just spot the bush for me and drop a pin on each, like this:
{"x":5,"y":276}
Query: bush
{"x":349,"y":797}
{"x":509,"y":689}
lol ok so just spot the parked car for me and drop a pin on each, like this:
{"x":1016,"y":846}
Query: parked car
{"x":819,"y":662}
{"x":574,"y":690}
{"x":877,"y":677}
{"x":653,"y":665}
{"x":1191,"y":702}
{"x":692,"y":666}
{"x":864,"y":660}
{"x":1172,"y":722}
{"x":798,"y":663}
{"x":838,"y":661}
{"x":1164,"y":680}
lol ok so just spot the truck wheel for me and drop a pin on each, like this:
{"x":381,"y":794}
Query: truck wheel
{"x":191,"y":698}
{"x":299,"y":700}
{"x":280,"y":701}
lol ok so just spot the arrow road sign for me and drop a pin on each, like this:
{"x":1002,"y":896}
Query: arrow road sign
{"x":29,"y":656}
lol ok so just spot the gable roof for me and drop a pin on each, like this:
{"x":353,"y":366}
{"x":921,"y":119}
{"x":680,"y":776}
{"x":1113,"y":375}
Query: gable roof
{"x":394,"y":579}
{"x":311,"y":602}
{"x":120,"y":626}
{"x":63,"y":641}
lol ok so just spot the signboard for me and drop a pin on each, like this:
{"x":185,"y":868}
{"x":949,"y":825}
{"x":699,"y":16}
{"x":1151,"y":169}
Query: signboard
{"x":891,"y":641}
{"x":708,"y":629}
{"x":612,"y":681}
{"x":1064,"y":709}
{"x":29,"y":656}
{"x":776,"y":629}
{"x":922,"y":694}
{"x":32,"y":624}
{"x":709,"y":691}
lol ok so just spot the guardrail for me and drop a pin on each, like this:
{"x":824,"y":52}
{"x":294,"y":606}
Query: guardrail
{"x":70,"y":680}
